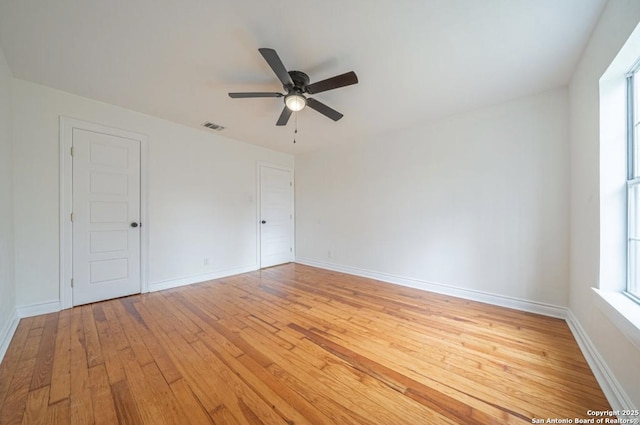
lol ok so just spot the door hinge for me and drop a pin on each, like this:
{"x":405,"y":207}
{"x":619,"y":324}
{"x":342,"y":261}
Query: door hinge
{"x":290,"y":184}
{"x":72,"y":282}
{"x":290,"y":249}
{"x":71,"y":150}
{"x":72,"y":217}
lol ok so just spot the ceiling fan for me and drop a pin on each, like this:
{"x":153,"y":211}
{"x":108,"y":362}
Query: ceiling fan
{"x":296,"y":84}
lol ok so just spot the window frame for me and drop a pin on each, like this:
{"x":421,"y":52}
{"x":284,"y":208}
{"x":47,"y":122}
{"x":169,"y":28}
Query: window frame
{"x":633,"y":182}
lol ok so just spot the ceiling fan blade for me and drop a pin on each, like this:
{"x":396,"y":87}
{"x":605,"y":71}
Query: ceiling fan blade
{"x":276,"y":64}
{"x":324,"y":109}
{"x":342,"y":80}
{"x":251,"y":94}
{"x":284,"y":116}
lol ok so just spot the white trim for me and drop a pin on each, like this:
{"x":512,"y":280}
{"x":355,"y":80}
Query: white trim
{"x":66,"y":176}
{"x":144,"y":213}
{"x":198,"y":278}
{"x":440,"y":288}
{"x":67,"y":125}
{"x":611,"y":388}
{"x":257,"y":217}
{"x":37,"y":309}
{"x":260,"y":164}
{"x":7,"y":332}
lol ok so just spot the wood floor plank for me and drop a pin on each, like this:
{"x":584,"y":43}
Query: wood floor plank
{"x":159,"y":355}
{"x":195,"y":413}
{"x":44,"y":362}
{"x":144,"y":398}
{"x":126,"y":407}
{"x":358,"y":399}
{"x":485,"y":389}
{"x":185,"y":323}
{"x":14,"y":404}
{"x":479,"y":380}
{"x":438,"y":401}
{"x":60,"y":376}
{"x":331,"y":375}
{"x":15,"y":401}
{"x":32,"y":345}
{"x":302,"y":378}
{"x":116,"y":334}
{"x":130,"y":324}
{"x":477,"y":374}
{"x":238,"y":397}
{"x":186,"y":361}
{"x":294,"y":345}
{"x":284,"y":399}
{"x":39,"y":322}
{"x":109,"y":344}
{"x":92,"y":341}
{"x":104,"y":411}
{"x":81,"y":406}
{"x":9,"y":366}
{"x":170,"y":407}
{"x":36,"y":408}
{"x":59,"y":413}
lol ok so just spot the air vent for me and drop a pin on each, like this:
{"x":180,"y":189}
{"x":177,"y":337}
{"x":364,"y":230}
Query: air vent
{"x":213,"y":126}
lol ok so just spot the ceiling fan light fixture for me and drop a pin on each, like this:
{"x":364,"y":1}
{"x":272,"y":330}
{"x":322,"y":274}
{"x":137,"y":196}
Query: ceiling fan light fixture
{"x":295,"y":102}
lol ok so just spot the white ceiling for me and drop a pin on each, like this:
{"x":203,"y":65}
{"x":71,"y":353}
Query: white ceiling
{"x":416,"y":60}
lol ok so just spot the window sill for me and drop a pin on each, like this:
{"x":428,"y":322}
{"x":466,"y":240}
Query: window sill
{"x":622,"y":311}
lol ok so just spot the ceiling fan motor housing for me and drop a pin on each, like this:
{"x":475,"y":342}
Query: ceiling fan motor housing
{"x":300,"y":81}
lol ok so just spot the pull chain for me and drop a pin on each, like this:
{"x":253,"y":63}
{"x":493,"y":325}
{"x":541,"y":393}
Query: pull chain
{"x":296,"y":130}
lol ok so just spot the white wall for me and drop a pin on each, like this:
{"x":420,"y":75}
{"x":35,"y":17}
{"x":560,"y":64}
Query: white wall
{"x":7,"y":287}
{"x":478,"y":201}
{"x":202,"y":190}
{"x":618,"y":20}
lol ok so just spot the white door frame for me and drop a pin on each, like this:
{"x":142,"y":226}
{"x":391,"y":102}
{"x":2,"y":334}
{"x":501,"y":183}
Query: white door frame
{"x":260,"y":164}
{"x":67,"y":125}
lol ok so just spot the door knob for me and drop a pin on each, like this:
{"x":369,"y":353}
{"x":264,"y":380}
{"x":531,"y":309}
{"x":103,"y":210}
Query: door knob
{"x":264,"y":222}
{"x":134,"y":224}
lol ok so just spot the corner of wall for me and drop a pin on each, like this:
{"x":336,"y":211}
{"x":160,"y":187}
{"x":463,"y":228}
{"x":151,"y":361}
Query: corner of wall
{"x":7,"y":331}
{"x":8,"y":313}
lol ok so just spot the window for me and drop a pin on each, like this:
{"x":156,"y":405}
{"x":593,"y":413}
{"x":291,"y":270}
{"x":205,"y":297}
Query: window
{"x":619,"y":277}
{"x":633,"y":183}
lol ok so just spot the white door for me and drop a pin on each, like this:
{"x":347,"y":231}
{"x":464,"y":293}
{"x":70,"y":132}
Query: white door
{"x":106,"y":216}
{"x":276,"y":216}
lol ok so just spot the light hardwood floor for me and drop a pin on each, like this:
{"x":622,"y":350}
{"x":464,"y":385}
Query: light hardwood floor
{"x":293,"y":345}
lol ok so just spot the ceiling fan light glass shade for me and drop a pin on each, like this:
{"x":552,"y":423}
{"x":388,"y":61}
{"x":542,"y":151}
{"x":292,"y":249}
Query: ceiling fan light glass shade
{"x":295,"y":102}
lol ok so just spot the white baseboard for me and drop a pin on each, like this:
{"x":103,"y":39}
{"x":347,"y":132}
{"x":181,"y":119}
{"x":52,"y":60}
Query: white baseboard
{"x":611,"y":388}
{"x":9,"y":329}
{"x":6,"y":333}
{"x":38,"y":308}
{"x":189,"y":280}
{"x":469,"y":294}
